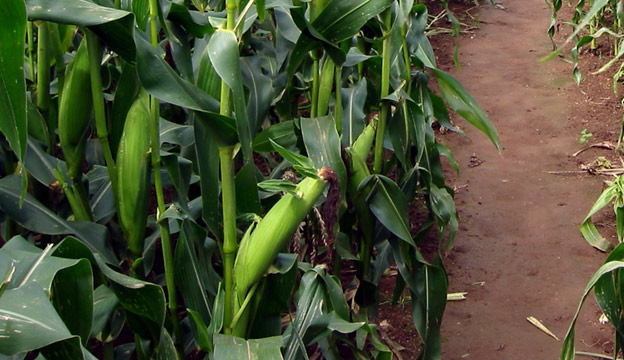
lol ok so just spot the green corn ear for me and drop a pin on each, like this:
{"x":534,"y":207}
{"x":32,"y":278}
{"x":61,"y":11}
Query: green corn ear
{"x":75,"y":111}
{"x":359,"y":153}
{"x":325,"y":87}
{"x":133,"y":160}
{"x":258,"y":251}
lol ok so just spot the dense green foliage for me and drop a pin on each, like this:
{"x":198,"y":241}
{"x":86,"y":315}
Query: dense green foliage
{"x":212,"y":110}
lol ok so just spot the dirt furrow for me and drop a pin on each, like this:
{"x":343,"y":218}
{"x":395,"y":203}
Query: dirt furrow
{"x":519,"y":253}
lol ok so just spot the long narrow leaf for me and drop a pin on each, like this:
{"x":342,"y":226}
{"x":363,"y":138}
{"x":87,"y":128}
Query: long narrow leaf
{"x":36,"y":217}
{"x":115,"y":27}
{"x":223,"y":51}
{"x":461,"y":101}
{"x":568,"y":349}
{"x":13,"y":122}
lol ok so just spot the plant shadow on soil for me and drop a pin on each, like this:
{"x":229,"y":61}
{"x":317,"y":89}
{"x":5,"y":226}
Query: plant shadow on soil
{"x":518,"y":252}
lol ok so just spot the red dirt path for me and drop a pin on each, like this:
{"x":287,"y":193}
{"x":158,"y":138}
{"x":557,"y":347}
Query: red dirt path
{"x":519,"y":252}
{"x":521,"y":237}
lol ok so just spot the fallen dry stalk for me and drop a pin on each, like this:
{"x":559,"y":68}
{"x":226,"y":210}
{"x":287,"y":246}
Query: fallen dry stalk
{"x":541,"y":326}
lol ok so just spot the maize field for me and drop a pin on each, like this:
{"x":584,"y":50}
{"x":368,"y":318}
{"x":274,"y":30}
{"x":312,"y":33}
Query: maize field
{"x":223,"y":179}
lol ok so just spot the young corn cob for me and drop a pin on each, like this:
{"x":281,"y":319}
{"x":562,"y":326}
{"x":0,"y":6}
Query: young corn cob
{"x":358,"y":171}
{"x":75,"y":110}
{"x":133,"y":160}
{"x":258,"y":251}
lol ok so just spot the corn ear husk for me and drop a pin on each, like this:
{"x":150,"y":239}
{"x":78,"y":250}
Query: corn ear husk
{"x":133,"y":160}
{"x":257,"y":251}
{"x":358,"y":152}
{"x":75,"y":108}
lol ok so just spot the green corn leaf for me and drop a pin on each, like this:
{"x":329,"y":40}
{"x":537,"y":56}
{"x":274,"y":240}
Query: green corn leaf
{"x":588,"y":229}
{"x":355,"y":57}
{"x":193,"y":21}
{"x":247,"y":200}
{"x":69,"y":281}
{"x":36,"y":217}
{"x":181,"y":51}
{"x":260,"y":88}
{"x":275,"y":298}
{"x":188,"y":272}
{"x":461,"y":101}
{"x":323,"y":146}
{"x":337,"y":323}
{"x":399,"y":131}
{"x":428,"y":287}
{"x":160,"y":80}
{"x":593,"y":237}
{"x":282,"y":133}
{"x":260,"y":9}
{"x":13,"y":122}
{"x":179,"y":170}
{"x":311,"y":295}
{"x":69,"y":349}
{"x":140,"y":9}
{"x":166,"y":349}
{"x":42,"y":165}
{"x":224,"y":56}
{"x":441,"y":113}
{"x":417,"y":42}
{"x":277,"y":185}
{"x":443,"y":207}
{"x":37,"y":126}
{"x":337,"y":299}
{"x":28,"y":310}
{"x":202,"y":337}
{"x":568,"y":348}
{"x":104,"y":303}
{"x":428,"y":303}
{"x":353,"y":115}
{"x":294,"y":158}
{"x":139,"y":297}
{"x":73,"y":298}
{"x":446,"y":152}
{"x":176,"y":134}
{"x":388,"y":204}
{"x":208,"y":166}
{"x":339,"y":21}
{"x":115,"y":27}
{"x":606,"y":290}
{"x":230,"y":347}
{"x":596,"y":6}
{"x":207,"y":78}
{"x":102,"y":201}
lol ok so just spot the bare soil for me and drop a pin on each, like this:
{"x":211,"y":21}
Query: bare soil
{"x":519,"y":252}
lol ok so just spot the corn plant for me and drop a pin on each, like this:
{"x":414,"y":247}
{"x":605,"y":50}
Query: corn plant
{"x":234,"y":136}
{"x":613,"y":193}
{"x":606,"y":282}
{"x":590,"y":21}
